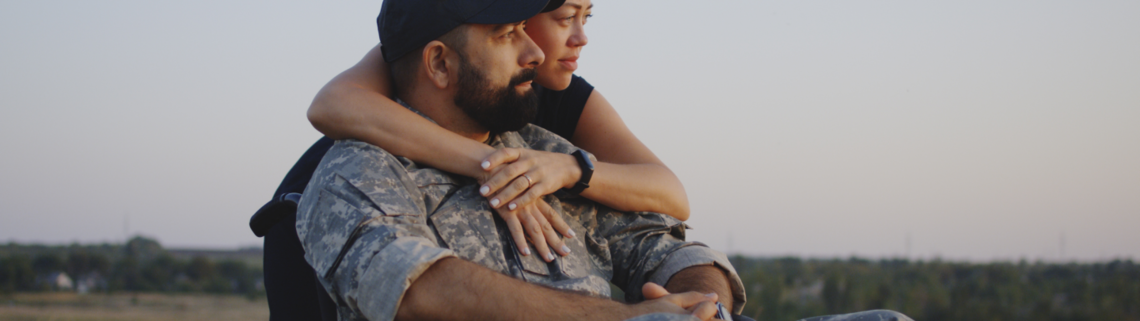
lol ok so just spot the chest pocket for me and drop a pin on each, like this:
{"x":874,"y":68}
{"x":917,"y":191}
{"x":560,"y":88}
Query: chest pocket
{"x":464,"y":223}
{"x":435,"y":185}
{"x":535,"y":265}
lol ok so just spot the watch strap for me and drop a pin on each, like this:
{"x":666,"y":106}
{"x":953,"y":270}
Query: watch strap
{"x":587,"y":167}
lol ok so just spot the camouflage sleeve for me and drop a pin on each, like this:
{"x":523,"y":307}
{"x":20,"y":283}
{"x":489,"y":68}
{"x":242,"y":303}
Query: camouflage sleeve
{"x":651,"y":247}
{"x":701,"y":255}
{"x":361,"y":222}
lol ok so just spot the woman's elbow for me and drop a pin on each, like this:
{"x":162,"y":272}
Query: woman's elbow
{"x":683,"y":211}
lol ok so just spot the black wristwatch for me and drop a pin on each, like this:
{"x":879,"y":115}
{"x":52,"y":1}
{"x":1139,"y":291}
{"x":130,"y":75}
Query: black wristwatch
{"x":587,"y":166}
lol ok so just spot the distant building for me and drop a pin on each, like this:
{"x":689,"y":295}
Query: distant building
{"x":57,"y":281}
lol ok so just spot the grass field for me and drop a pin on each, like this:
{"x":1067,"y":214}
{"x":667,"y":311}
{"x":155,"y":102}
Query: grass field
{"x":128,"y":307}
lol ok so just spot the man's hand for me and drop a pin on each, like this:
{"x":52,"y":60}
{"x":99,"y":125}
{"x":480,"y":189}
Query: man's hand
{"x":703,"y":308}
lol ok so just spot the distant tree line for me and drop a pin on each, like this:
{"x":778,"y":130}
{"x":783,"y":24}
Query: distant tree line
{"x":777,"y":288}
{"x":792,"y":288}
{"x":140,"y":265}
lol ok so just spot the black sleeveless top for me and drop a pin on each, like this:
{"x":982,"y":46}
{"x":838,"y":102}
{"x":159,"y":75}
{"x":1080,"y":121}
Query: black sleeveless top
{"x":559,"y":111}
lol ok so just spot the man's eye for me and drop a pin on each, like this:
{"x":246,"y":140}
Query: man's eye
{"x":587,"y":18}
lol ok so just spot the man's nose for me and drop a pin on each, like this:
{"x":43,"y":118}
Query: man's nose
{"x":531,"y":55}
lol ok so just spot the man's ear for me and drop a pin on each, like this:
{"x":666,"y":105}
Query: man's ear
{"x":439,"y":64}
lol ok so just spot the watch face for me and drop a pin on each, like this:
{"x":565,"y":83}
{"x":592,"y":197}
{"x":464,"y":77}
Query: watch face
{"x":585,"y":158}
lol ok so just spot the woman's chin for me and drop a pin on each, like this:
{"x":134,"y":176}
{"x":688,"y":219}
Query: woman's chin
{"x":560,"y":81}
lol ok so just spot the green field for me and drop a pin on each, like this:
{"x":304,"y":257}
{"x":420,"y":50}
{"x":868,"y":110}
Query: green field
{"x":63,"y":306}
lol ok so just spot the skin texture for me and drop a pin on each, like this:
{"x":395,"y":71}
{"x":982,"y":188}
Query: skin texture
{"x":628,"y":176}
{"x":456,"y":289}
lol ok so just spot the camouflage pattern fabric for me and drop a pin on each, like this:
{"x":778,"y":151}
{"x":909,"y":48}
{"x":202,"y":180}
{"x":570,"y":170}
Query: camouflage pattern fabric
{"x":371,"y":223}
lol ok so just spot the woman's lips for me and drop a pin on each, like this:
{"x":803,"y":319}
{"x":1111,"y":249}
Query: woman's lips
{"x":569,"y":64}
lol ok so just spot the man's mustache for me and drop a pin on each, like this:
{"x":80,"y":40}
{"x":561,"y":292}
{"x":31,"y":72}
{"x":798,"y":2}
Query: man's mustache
{"x":524,"y":76}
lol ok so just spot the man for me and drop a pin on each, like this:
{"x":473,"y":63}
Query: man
{"x":392,"y":240}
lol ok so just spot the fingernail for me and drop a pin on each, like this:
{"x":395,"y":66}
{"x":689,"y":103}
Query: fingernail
{"x":512,"y":206}
{"x":571,"y":232}
{"x":494,"y":202}
{"x":550,"y":257}
{"x":526,"y":251}
{"x":484,"y":190}
{"x":710,"y":295}
{"x":485,"y":164}
{"x":565,"y":249}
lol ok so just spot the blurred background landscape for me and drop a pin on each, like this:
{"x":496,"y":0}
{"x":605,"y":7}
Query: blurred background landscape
{"x":952,"y":160}
{"x":141,"y":280}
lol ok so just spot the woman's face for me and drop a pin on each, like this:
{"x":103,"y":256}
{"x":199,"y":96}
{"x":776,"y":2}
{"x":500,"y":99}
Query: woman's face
{"x":561,"y":35}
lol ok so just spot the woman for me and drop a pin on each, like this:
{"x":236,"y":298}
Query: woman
{"x":628,"y":176}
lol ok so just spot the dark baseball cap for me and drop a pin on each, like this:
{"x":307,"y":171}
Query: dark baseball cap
{"x":406,"y":25}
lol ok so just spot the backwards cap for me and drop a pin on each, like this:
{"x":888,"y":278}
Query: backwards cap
{"x":406,"y":25}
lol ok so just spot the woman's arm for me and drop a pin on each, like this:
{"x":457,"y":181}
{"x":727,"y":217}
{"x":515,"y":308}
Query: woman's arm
{"x":356,"y":104}
{"x":627,"y":176}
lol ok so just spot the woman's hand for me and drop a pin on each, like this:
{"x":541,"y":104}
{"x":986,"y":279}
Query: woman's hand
{"x":521,"y":176}
{"x":537,"y":222}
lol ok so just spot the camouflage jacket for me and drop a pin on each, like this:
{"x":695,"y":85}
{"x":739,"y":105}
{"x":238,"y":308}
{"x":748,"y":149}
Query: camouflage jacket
{"x":371,"y":223}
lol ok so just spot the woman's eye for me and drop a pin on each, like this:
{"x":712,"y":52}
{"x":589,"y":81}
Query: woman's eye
{"x":587,"y":18}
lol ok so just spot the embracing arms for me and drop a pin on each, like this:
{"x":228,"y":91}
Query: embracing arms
{"x":356,"y":104}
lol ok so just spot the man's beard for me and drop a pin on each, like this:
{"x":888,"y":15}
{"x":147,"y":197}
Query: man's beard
{"x":496,"y":109}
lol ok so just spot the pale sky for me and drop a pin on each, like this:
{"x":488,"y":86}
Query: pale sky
{"x":978,"y":130}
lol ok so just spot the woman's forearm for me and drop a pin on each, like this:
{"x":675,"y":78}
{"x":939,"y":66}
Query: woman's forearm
{"x":356,"y":104}
{"x":628,"y":176}
{"x":638,"y":187}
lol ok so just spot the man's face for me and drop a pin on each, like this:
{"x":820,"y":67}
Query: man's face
{"x":496,"y":69}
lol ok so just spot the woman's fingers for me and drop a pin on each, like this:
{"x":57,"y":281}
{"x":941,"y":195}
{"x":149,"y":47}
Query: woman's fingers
{"x":517,"y":231}
{"x":533,"y":193}
{"x":499,"y":157}
{"x":554,"y":218}
{"x":510,"y":192}
{"x":535,"y":231}
{"x":552,"y":238}
{"x":502,"y":177}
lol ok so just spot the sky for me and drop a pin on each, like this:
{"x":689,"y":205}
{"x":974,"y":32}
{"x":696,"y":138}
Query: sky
{"x":960,"y":130}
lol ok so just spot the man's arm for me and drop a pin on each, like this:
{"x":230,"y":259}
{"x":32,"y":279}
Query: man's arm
{"x":456,"y":289}
{"x":703,"y":279}
{"x":650,"y":247}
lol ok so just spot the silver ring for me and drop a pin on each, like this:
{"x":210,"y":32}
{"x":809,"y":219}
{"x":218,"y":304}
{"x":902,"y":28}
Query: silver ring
{"x":529,"y":182}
